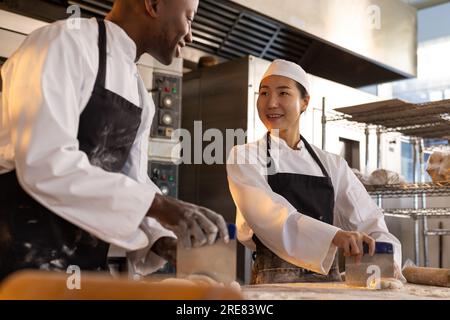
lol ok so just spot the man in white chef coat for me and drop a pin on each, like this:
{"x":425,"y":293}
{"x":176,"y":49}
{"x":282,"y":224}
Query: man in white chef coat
{"x":75,"y":121}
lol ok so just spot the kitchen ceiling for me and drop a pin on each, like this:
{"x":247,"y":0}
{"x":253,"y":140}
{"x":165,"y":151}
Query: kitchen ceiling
{"x":230,"y":31}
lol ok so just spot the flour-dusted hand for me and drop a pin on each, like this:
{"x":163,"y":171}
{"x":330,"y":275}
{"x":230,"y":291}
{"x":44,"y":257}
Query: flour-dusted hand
{"x":194,"y":226}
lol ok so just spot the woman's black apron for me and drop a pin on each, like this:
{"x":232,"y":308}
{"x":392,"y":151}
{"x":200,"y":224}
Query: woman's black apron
{"x":33,"y":237}
{"x":310,"y":195}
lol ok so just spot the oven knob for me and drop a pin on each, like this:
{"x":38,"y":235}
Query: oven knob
{"x":167,"y":119}
{"x":168,"y":102}
{"x":164,"y":190}
{"x":155,"y":175}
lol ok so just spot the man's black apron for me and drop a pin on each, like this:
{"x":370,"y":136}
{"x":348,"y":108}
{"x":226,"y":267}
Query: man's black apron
{"x":310,"y":195}
{"x":33,"y":237}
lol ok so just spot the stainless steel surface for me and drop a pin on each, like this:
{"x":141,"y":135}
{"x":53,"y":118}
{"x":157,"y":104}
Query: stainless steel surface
{"x":438,"y":232}
{"x":359,"y":274}
{"x":166,"y":150}
{"x":232,"y":29}
{"x":376,"y":45}
{"x":379,"y":132}
{"x":366,"y":132}
{"x":439,"y":147}
{"x":217,"y":261}
{"x":222,"y":97}
{"x":416,"y":207}
{"x":416,"y":242}
{"x":409,"y":190}
{"x":424,"y":204}
{"x":381,"y":30}
{"x":417,"y":213}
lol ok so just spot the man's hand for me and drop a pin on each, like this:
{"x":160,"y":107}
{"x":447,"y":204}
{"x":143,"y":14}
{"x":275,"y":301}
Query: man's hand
{"x":193,"y":225}
{"x":352,"y":243}
{"x":166,"y":248}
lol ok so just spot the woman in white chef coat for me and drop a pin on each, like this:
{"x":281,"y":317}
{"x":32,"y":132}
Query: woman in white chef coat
{"x":296,"y":203}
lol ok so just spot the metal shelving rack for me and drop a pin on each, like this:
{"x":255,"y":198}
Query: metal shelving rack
{"x":417,"y":121}
{"x":408,"y":190}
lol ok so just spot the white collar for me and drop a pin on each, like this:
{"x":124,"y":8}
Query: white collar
{"x":122,"y":40}
{"x":281,"y":143}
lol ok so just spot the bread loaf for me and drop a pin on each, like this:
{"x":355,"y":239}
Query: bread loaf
{"x":383,"y":177}
{"x":439,"y":166}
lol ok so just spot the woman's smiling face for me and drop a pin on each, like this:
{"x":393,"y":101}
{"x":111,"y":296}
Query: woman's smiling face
{"x":280,"y":103}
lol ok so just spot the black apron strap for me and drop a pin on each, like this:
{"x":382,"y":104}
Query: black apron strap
{"x":315,"y":157}
{"x":269,"y":162}
{"x":101,"y":74}
{"x":308,"y":147}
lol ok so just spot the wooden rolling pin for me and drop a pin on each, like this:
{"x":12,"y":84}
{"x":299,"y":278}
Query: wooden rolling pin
{"x":428,"y":276}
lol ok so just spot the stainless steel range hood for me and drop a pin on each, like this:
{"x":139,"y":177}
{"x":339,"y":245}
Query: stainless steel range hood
{"x":353,"y":42}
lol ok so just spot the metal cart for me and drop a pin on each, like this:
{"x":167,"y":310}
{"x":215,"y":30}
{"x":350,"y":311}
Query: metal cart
{"x":417,"y":121}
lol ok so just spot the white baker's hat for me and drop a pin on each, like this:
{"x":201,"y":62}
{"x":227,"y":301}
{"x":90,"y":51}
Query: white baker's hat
{"x":289,"y":70}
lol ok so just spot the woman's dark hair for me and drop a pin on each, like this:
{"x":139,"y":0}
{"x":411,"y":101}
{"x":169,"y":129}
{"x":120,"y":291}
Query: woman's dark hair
{"x":302,"y":90}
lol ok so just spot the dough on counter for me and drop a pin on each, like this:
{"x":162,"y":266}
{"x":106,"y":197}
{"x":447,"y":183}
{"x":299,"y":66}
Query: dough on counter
{"x":202,"y":280}
{"x":386,"y":283}
{"x":177,"y":281}
{"x":194,"y":279}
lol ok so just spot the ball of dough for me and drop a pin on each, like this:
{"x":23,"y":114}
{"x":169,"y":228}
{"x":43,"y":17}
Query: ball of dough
{"x":385,"y":283}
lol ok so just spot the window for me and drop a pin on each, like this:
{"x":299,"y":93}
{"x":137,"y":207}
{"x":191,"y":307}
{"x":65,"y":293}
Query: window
{"x":407,"y":161}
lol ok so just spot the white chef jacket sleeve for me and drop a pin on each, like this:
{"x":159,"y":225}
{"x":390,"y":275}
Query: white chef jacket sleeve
{"x":297,"y":238}
{"x":144,"y":261}
{"x":45,"y":82}
{"x":355,"y":210}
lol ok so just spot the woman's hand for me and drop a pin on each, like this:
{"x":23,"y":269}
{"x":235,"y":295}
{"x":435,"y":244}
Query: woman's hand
{"x":352,"y":243}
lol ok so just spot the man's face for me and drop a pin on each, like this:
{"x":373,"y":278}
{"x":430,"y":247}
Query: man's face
{"x":176,"y":18}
